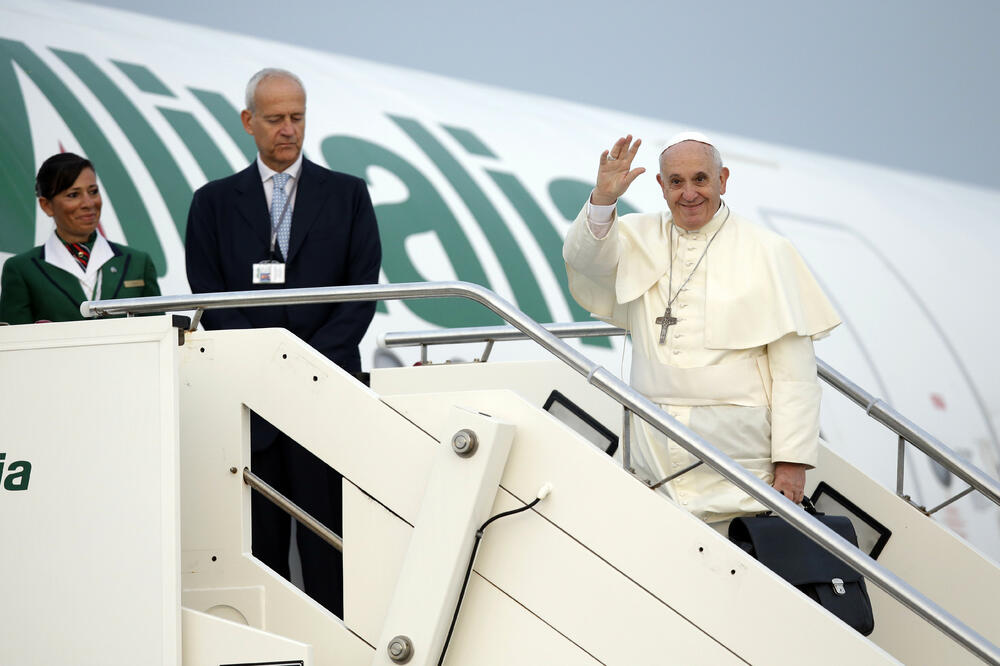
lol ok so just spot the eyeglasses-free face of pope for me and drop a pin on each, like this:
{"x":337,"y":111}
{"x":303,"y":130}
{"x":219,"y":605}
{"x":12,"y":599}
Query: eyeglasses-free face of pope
{"x":692,"y":183}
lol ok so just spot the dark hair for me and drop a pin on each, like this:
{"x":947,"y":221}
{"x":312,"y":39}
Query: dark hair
{"x":58,"y":173}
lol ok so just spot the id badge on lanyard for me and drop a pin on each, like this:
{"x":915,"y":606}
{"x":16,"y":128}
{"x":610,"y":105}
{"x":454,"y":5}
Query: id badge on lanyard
{"x":272,"y":271}
{"x":269,"y":271}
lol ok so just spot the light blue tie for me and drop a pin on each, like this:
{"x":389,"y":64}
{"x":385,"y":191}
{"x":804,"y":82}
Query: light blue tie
{"x":278,"y":200}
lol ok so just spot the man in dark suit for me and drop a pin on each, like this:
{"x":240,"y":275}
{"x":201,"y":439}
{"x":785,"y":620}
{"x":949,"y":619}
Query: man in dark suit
{"x":284,"y":222}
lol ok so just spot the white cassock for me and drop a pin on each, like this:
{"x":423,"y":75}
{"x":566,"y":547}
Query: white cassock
{"x":738,"y":367}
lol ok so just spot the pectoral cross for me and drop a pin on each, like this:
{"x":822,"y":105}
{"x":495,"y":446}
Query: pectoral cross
{"x":665,"y":322}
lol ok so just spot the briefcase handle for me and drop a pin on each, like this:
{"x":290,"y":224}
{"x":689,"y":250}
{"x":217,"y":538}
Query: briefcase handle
{"x":806,"y":504}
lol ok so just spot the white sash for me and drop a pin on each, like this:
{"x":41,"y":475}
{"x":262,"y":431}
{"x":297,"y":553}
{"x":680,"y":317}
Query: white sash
{"x":746,"y":383}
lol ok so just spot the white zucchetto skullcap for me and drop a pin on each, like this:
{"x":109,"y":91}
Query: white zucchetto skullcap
{"x":688,"y":136}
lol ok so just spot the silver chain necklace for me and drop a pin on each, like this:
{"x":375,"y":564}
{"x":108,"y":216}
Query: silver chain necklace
{"x":668,"y":320}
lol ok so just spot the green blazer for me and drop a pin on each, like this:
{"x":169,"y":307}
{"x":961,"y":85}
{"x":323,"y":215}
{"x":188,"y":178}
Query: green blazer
{"x":32,"y":289}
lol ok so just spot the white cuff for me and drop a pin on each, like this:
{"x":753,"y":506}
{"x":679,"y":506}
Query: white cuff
{"x":600,"y":218}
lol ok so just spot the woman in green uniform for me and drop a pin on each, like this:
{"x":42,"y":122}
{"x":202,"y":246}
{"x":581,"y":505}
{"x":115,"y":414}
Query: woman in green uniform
{"x":76,"y":263}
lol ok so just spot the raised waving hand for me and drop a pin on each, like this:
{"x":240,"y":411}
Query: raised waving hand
{"x":615,"y":173}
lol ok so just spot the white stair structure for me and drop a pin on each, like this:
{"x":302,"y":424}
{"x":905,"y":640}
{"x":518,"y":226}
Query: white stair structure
{"x":131,"y":541}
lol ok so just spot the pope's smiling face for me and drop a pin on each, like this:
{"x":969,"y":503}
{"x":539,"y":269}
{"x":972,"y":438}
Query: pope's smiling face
{"x":692,"y":183}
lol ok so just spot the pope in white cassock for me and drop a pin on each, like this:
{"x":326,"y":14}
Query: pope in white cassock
{"x":722,"y":313}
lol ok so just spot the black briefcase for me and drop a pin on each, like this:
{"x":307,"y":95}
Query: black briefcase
{"x":806,"y":565}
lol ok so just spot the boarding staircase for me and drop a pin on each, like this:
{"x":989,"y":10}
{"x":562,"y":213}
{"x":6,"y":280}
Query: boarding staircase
{"x":133,"y":537}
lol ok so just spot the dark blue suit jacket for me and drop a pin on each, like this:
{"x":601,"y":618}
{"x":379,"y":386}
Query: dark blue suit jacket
{"x":334,"y":241}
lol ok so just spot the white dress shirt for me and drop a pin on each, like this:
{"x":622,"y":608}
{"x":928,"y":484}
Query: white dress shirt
{"x":267,"y":178}
{"x":91,"y":279}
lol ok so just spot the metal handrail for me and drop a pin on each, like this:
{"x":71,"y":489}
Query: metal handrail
{"x":912,"y":433}
{"x":291,"y":508}
{"x":450,"y":336}
{"x":606,"y":381}
{"x":874,"y":407}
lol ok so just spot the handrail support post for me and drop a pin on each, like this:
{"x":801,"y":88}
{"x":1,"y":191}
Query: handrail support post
{"x":196,"y":319}
{"x":900,"y":461}
{"x":668,"y":479}
{"x":949,"y":501}
{"x":627,"y":440}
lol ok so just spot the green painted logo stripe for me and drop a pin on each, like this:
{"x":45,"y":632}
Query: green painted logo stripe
{"x":228,"y":117}
{"x":17,"y":164}
{"x":154,"y":154}
{"x":423,"y":211}
{"x":121,"y":190}
{"x":548,"y":238}
{"x":143,"y":78}
{"x":469,"y":141}
{"x":569,"y":195}
{"x":522,"y":280}
{"x":211,"y":160}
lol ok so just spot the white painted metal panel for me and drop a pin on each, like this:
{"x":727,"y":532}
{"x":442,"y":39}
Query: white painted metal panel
{"x":343,"y":423}
{"x":673,"y":555}
{"x":930,"y":557}
{"x":460,"y":493}
{"x":210,"y":641}
{"x":92,"y":547}
{"x":532,"y":380}
{"x":308,"y":398}
{"x":925,"y":553}
{"x":601,"y":571}
{"x":375,"y":544}
{"x":590,"y":602}
{"x":525,"y":638}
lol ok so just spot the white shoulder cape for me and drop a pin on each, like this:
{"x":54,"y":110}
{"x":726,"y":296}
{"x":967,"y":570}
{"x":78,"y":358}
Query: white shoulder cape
{"x":758,"y":287}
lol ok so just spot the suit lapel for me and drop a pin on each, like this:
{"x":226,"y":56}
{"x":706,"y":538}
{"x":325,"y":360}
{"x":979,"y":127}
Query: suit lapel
{"x":113,"y":273}
{"x":309,"y":200}
{"x":251,"y":203}
{"x":55,"y":255}
{"x":61,"y":281}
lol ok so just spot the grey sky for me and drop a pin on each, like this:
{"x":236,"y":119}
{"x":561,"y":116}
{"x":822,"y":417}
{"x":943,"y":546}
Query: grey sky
{"x":904,"y":83}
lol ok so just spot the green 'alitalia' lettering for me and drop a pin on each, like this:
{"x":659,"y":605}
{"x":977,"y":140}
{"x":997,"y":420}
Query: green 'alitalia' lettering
{"x":154,"y":154}
{"x":118,"y":184}
{"x":424,"y":210}
{"x":198,"y":142}
{"x":569,"y":195}
{"x":522,"y":280}
{"x":469,"y":141}
{"x":549,"y":240}
{"x":144,"y":79}
{"x":208,"y":156}
{"x":18,"y":474}
{"x":541,"y":227}
{"x":17,"y":164}
{"x":228,"y":116}
{"x":17,"y":480}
